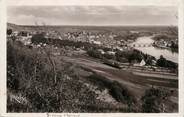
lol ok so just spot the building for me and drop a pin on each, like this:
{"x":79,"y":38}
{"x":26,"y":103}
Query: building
{"x":101,"y":51}
{"x":111,"y":53}
{"x":142,"y":63}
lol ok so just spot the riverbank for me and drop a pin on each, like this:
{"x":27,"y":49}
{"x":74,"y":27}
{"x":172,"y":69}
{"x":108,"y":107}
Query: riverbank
{"x":173,"y":50}
{"x":166,"y":41}
{"x":154,"y":51}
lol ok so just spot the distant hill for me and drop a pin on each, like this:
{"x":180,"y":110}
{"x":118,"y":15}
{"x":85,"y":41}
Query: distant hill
{"x":10,"y":25}
{"x":100,"y":29}
{"x":13,"y":26}
{"x":20,"y":27}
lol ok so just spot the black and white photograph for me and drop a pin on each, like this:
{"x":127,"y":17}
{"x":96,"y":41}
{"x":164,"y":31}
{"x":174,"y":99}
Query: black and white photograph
{"x":92,"y":59}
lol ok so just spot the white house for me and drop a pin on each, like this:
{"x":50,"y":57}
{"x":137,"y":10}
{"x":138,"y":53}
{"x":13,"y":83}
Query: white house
{"x":110,"y":52}
{"x":142,"y":63}
{"x":101,"y":51}
{"x":97,"y":42}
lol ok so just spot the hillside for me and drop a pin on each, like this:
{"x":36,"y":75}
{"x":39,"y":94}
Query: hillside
{"x":13,"y":26}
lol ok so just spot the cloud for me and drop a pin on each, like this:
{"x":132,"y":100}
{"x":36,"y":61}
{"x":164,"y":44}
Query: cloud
{"x":93,"y":15}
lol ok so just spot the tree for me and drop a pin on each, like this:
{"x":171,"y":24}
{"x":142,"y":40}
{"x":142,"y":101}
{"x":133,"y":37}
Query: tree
{"x":162,"y":62}
{"x":38,"y":38}
{"x":173,"y":30}
{"x":153,"y":99}
{"x":9,"y":31}
{"x":173,"y":45}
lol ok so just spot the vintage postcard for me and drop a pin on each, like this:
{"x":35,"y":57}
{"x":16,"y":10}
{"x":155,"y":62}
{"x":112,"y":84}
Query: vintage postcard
{"x":69,"y":58}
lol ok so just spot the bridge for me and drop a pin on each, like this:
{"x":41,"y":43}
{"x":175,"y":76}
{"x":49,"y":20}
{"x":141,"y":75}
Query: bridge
{"x":140,"y":45}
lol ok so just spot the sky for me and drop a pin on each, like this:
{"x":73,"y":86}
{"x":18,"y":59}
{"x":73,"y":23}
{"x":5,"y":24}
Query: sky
{"x":92,"y":15}
{"x":93,"y":2}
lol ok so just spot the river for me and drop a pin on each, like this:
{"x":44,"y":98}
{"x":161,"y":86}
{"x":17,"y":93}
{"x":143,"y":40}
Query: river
{"x":154,"y":51}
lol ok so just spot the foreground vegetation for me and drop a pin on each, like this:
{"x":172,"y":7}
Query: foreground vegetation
{"x":33,"y":86}
{"x":38,"y":83}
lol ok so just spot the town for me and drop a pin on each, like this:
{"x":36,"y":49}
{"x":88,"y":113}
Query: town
{"x":104,"y":44}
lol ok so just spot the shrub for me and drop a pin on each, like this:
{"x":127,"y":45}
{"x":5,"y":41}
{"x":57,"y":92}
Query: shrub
{"x":120,"y":93}
{"x":39,"y":38}
{"x":95,"y":54}
{"x":30,"y":74}
{"x":9,"y":31}
{"x":117,"y":90}
{"x":27,"y":72}
{"x":163,"y":62}
{"x":99,"y":80}
{"x":152,"y":100}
